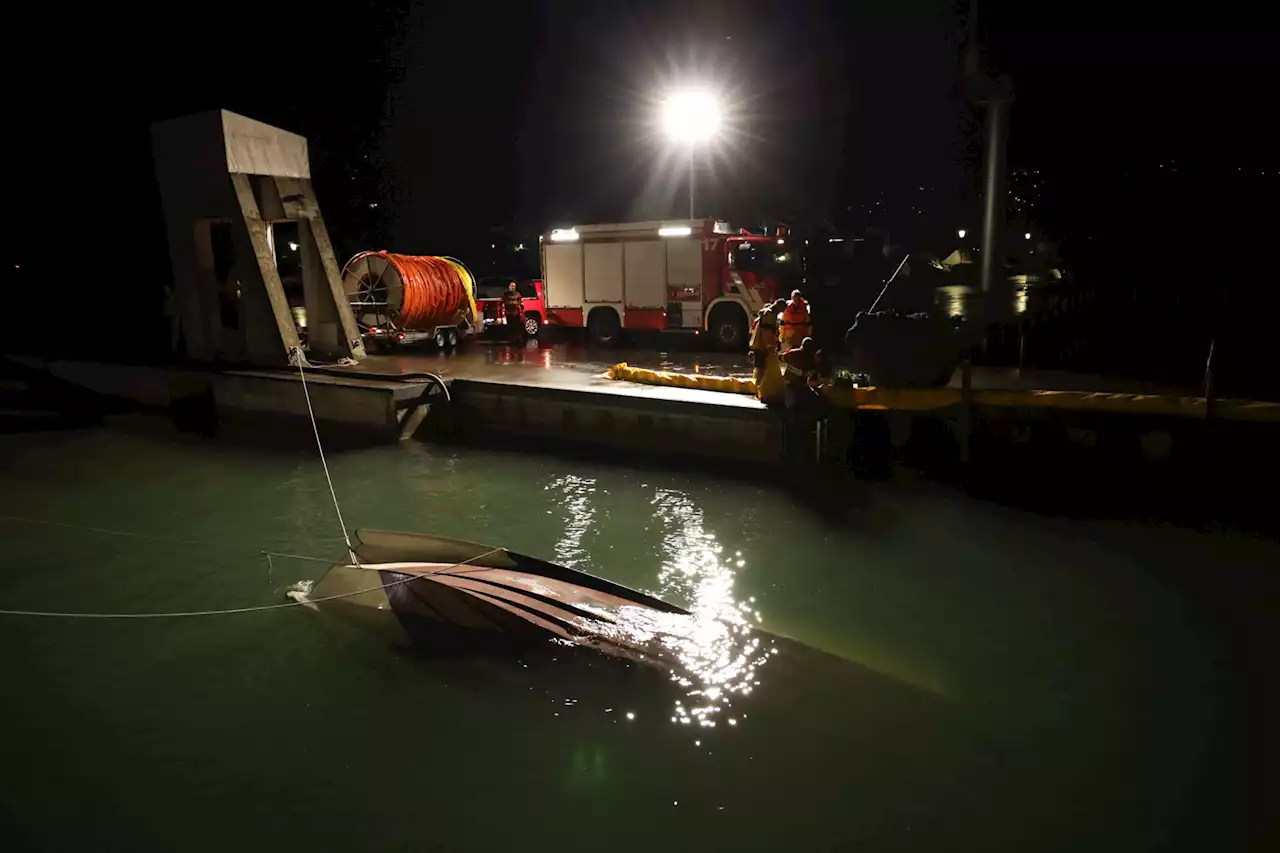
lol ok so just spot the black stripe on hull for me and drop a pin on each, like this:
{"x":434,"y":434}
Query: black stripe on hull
{"x":427,"y":626}
{"x":544,"y":599}
{"x":534,"y":566}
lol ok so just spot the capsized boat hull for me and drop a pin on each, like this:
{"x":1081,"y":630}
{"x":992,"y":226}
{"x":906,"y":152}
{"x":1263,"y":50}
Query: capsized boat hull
{"x":433,"y":591}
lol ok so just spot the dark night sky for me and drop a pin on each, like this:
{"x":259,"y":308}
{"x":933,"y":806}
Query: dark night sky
{"x":456,"y":117}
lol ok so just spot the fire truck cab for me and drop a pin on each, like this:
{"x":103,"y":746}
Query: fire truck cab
{"x":686,"y":275}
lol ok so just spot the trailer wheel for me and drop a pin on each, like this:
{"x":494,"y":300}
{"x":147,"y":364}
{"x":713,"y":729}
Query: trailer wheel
{"x":728,"y":327}
{"x":453,"y":337}
{"x":441,"y":340}
{"x":603,"y":326}
{"x":532,"y":325}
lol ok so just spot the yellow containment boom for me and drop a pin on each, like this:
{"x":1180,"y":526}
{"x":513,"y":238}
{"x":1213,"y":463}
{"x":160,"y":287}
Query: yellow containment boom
{"x":682,"y":380}
{"x":925,"y":399}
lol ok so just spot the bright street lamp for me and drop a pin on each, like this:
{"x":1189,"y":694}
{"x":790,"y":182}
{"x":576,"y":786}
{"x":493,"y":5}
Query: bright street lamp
{"x":961,"y":233}
{"x":689,"y":117}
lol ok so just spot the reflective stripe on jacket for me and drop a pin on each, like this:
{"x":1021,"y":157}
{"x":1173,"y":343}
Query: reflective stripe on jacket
{"x":799,"y":365}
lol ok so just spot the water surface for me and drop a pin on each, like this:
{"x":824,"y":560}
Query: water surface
{"x":907,"y":669}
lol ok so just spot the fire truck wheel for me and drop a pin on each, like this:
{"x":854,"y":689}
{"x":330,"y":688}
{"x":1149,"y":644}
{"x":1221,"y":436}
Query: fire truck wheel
{"x":532,"y":325}
{"x":604,"y":327}
{"x":441,"y":340}
{"x":728,"y":327}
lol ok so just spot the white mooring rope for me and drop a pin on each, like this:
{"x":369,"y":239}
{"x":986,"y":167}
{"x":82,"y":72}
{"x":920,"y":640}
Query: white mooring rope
{"x":300,"y":602}
{"x":171,"y":540}
{"x":298,"y":358}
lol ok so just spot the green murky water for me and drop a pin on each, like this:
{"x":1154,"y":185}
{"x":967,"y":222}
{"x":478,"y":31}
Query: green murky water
{"x":956,"y":675}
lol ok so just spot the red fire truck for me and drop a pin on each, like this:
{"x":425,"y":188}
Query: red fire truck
{"x":690,"y":275}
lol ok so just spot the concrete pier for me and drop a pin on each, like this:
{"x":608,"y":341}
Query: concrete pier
{"x":717,"y":427}
{"x":541,"y":395}
{"x":363,"y":409}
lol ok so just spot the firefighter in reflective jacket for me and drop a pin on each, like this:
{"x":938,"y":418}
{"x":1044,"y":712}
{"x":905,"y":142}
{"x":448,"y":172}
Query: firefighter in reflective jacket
{"x":795,"y":322}
{"x":513,"y":307}
{"x":802,"y":369}
{"x":763,"y":351}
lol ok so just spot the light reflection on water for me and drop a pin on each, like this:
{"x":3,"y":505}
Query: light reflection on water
{"x":1020,"y":299}
{"x":716,"y":647}
{"x":573,"y":494}
{"x":958,"y":300}
{"x":713,"y":653}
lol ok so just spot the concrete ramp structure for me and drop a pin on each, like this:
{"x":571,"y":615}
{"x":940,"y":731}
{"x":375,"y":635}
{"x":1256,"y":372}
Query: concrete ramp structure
{"x":253,"y":267}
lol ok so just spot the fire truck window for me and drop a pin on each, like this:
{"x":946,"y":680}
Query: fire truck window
{"x":527,"y":290}
{"x":766,"y":259}
{"x":744,"y":257}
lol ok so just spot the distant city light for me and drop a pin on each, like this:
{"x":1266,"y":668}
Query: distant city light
{"x":672,"y":231}
{"x":1027,"y":235}
{"x":781,"y":242}
{"x":691,"y":116}
{"x":564,"y":235}
{"x":520,"y":247}
{"x":961,"y":233}
{"x":836,"y":240}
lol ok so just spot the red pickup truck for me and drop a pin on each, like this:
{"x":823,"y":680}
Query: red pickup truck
{"x":489,"y":300}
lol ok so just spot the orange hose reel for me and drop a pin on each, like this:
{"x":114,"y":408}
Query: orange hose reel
{"x":412,"y":291}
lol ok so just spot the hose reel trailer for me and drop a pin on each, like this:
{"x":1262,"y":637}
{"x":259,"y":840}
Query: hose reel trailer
{"x":406,"y":298}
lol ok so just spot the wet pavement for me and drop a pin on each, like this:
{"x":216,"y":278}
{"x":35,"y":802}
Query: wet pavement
{"x":569,"y":366}
{"x":579,"y":366}
{"x":495,"y":360}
